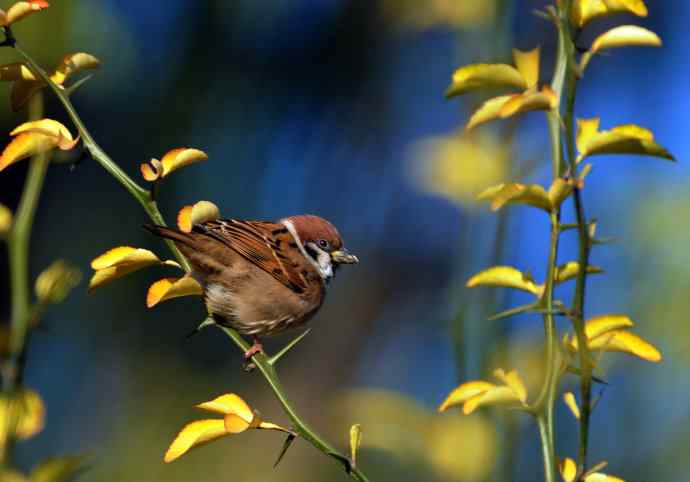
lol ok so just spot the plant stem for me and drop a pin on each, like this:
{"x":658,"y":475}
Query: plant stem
{"x":544,"y":404}
{"x":138,"y":192}
{"x":301,"y":427}
{"x":546,"y":437}
{"x":18,"y":250}
{"x":151,"y":208}
{"x":586,"y":366}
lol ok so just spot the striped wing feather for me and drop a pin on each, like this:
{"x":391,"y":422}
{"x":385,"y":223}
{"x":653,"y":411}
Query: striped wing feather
{"x":262,"y":243}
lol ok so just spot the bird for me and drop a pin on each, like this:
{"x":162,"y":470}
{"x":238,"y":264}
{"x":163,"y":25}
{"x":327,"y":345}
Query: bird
{"x":262,"y":277}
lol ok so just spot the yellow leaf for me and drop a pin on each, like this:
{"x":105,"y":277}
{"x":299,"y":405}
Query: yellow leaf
{"x":624,"y":139}
{"x":36,"y":137}
{"x":465,"y":392}
{"x":47,"y":127}
{"x":151,"y":170}
{"x":55,"y":282}
{"x":513,"y":381}
{"x":5,"y":220}
{"x":15,"y":72}
{"x":56,"y":469}
{"x":599,"y":477}
{"x":571,"y":403}
{"x":229,"y":403}
{"x":495,"y":396}
{"x":477,"y":76}
{"x":488,"y":111}
{"x":193,"y":435}
{"x":505,"y":276}
{"x":23,"y":414}
{"x":169,"y":288}
{"x":460,"y":166}
{"x":585,"y":10}
{"x":527,"y":64}
{"x":506,"y":106}
{"x":23,"y":146}
{"x":571,"y":269}
{"x":21,"y":10}
{"x":355,"y":441}
{"x":7,"y":475}
{"x":119,"y":262}
{"x":600,"y":325}
{"x":586,"y":130}
{"x":181,"y":157}
{"x":106,"y":275}
{"x":196,"y":214}
{"x":626,"y":342}
{"x":236,"y":424}
{"x":544,"y":99}
{"x":559,"y":191}
{"x":625,"y":36}
{"x":568,"y":469}
{"x":125,"y":256}
{"x":73,"y":63}
{"x":515,"y":193}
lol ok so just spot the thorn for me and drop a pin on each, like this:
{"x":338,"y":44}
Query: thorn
{"x":207,"y":322}
{"x":70,"y":90}
{"x":286,"y":445}
{"x":272,"y":360}
{"x":513,"y":311}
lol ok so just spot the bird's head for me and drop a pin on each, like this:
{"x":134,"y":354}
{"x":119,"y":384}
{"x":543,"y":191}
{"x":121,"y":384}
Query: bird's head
{"x":321,"y":242}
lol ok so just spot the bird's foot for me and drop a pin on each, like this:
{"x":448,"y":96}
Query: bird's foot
{"x":256,"y":348}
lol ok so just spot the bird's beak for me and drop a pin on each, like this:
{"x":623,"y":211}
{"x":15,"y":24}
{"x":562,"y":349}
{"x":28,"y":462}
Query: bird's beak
{"x":343,"y":257}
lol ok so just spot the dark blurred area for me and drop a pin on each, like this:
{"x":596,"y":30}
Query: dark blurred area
{"x":336,"y":108}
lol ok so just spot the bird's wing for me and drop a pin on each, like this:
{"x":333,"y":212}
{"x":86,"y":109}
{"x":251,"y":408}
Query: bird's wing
{"x":262,"y":243}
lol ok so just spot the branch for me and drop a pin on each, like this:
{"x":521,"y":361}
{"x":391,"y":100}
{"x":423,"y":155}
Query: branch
{"x":300,"y":426}
{"x":570,"y":88}
{"x":138,"y":192}
{"x":18,"y":250}
{"x":149,"y":205}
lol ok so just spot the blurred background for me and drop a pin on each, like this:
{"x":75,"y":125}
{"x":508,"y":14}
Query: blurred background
{"x":335,"y":107}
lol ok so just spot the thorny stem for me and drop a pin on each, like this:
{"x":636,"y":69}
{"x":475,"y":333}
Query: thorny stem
{"x":151,"y":208}
{"x":586,"y":366}
{"x":300,"y":426}
{"x":544,"y":404}
{"x":18,"y":249}
{"x":138,"y":192}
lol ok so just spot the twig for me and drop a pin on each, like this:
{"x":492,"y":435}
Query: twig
{"x":151,"y":208}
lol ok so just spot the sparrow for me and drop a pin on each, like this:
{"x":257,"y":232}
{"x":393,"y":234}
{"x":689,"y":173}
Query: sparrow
{"x":262,"y":277}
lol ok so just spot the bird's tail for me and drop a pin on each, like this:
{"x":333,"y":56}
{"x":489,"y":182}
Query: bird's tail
{"x":176,"y":235}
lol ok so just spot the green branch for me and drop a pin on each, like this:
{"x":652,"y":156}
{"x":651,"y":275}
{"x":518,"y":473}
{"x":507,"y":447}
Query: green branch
{"x":267,"y":369}
{"x":148,"y":203}
{"x":568,"y":94}
{"x":138,"y":192}
{"x":18,"y":242}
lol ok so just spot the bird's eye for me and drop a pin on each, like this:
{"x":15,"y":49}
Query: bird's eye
{"x":324,"y":244}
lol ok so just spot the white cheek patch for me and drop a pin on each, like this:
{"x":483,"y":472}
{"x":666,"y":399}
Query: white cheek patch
{"x":322,"y":263}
